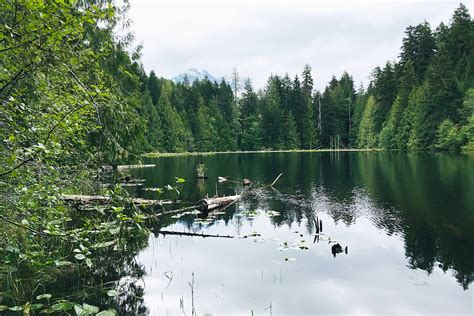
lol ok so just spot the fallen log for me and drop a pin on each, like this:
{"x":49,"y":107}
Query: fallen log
{"x":213,"y":203}
{"x":165,"y":232}
{"x":105,"y":199}
{"x":124,"y":167}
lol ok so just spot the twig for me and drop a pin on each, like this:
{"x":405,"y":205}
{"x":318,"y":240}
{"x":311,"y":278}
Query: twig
{"x":276,"y":179}
{"x":191,"y":284}
{"x":170,"y":278}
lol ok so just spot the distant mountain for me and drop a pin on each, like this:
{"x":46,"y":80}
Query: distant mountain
{"x":196,"y":74}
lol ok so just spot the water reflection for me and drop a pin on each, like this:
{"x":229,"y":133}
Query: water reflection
{"x":407,"y":219}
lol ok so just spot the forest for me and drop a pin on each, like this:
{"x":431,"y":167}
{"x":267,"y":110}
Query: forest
{"x":75,"y":97}
{"x":423,"y":101}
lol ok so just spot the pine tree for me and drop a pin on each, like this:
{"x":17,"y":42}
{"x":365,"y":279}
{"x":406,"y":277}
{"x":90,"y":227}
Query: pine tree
{"x":309,"y":138}
{"x":368,"y":130}
{"x":173,"y":129}
{"x":272,"y":114}
{"x":206,"y":135}
{"x":154,"y":87}
{"x":459,"y":43}
{"x":418,"y":48}
{"x":361,"y":99}
{"x":250,"y":137}
{"x":391,"y":134}
{"x":289,"y":136}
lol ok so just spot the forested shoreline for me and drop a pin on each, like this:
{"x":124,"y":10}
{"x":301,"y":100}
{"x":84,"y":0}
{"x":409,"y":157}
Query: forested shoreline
{"x":423,"y":101}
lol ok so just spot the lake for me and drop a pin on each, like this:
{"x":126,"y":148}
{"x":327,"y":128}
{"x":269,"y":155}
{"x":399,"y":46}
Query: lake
{"x":406,"y":219}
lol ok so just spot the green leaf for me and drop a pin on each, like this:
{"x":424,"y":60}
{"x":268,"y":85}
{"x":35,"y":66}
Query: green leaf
{"x":113,"y":293}
{"x":179,"y":180}
{"x":44,"y":296}
{"x":3,"y":308}
{"x":78,"y":310}
{"x":89,"y":262}
{"x":36,"y":306}
{"x":63,"y":263}
{"x":16,"y":308}
{"x":62,"y":306}
{"x":109,"y":312}
{"x":104,"y":244}
{"x":80,"y":256}
{"x":91,"y":309}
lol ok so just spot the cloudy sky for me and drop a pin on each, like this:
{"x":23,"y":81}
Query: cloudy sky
{"x":261,"y":37}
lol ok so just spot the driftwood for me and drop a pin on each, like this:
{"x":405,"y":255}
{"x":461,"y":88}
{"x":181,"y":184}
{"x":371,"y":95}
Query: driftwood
{"x":275,"y":181}
{"x":213,"y":203}
{"x":124,"y":167}
{"x":166,"y":232}
{"x":105,"y":199}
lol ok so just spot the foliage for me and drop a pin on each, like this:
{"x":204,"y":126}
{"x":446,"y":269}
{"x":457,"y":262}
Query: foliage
{"x":65,"y":111}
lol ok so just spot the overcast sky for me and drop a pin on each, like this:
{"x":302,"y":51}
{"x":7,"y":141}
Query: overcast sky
{"x":261,"y":37}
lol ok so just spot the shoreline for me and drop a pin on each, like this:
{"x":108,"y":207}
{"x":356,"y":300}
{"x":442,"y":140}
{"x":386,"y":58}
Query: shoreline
{"x":156,"y":155}
{"x":210,"y":153}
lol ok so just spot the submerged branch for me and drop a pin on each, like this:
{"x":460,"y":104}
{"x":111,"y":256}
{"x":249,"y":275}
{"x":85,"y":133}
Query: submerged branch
{"x":166,"y":232}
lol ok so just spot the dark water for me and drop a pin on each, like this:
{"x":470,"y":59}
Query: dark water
{"x":407,"y":221}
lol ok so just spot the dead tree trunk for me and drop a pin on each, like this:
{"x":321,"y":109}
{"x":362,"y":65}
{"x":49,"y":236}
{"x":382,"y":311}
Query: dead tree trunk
{"x":212,"y":203}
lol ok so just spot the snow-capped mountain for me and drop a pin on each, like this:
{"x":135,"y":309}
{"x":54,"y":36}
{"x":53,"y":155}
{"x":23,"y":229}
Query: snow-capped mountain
{"x":195,"y":74}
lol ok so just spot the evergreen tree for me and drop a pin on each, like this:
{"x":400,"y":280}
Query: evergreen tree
{"x":418,"y":47}
{"x":154,"y":87}
{"x":173,"y":129}
{"x":361,"y":99}
{"x":272,"y":114}
{"x":391,"y":134}
{"x":250,"y":137}
{"x":289,"y":136}
{"x":368,"y":136}
{"x":309,"y":139}
{"x":459,"y":43}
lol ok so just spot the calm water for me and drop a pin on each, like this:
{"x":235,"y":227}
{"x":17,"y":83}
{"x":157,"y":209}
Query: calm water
{"x":407,"y":221}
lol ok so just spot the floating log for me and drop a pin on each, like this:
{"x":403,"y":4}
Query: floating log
{"x":105,"y":199}
{"x":213,"y":203}
{"x":165,"y":232}
{"x":124,"y":167}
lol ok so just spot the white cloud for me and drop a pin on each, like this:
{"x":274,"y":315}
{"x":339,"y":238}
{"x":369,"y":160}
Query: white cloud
{"x":261,"y":37}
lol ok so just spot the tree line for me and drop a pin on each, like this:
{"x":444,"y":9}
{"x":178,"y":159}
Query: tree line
{"x":423,"y":101}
